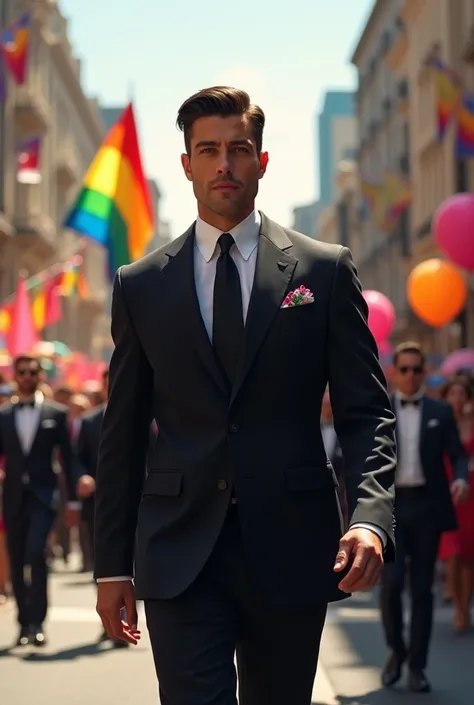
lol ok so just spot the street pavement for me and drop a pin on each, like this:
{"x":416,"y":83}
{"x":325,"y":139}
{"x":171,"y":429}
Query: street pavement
{"x":73,"y":669}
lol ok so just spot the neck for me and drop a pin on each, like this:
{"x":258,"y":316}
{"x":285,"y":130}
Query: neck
{"x":223,"y":222}
{"x":25,"y":396}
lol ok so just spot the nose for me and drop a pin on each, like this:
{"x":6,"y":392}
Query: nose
{"x":223,"y":166}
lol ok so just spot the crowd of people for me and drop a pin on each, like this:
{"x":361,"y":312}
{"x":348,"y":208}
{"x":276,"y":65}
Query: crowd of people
{"x":49,"y":443}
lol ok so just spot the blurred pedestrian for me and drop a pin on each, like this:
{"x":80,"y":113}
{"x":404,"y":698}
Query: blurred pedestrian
{"x":426,"y":434}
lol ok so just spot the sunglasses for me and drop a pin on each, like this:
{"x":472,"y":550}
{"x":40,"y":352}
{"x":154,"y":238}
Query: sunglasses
{"x":405,"y":369}
{"x":26,"y":371}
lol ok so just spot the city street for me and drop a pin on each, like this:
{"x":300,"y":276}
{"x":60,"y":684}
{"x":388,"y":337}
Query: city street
{"x":75,"y":670}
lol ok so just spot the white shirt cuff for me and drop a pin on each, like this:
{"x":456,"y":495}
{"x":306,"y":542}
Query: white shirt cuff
{"x":372,"y":527}
{"x":117,"y":579}
{"x":74,"y":505}
{"x":460,"y":482}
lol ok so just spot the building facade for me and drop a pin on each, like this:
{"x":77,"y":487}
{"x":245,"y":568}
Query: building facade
{"x":53,"y":107}
{"x":336,"y":138}
{"x":384,"y":144}
{"x":396,"y":108}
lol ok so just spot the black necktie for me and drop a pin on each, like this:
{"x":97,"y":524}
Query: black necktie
{"x":409,"y":402}
{"x":228,"y":320}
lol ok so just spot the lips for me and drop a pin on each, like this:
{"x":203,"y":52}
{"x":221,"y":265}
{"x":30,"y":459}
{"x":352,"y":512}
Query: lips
{"x":226,"y":186}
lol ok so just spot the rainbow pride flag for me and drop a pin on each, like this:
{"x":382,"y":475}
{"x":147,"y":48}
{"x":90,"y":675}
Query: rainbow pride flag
{"x":448,"y":95}
{"x":114,"y":207}
{"x":465,"y":133}
{"x":14,"y":45}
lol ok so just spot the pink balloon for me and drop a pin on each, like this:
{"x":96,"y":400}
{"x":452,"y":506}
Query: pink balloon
{"x":381,"y":315}
{"x":458,"y":360}
{"x":453,"y":226}
{"x":385,"y":349}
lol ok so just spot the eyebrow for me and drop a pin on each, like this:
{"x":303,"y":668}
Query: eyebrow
{"x":213,"y":143}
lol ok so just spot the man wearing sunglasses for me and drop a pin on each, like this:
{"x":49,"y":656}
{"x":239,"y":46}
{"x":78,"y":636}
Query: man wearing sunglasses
{"x":32,"y":431}
{"x":426,"y":435}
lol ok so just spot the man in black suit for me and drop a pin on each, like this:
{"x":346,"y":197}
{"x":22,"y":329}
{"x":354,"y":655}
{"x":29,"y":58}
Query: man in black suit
{"x":426,"y":436}
{"x":227,"y":337}
{"x":32,"y":430}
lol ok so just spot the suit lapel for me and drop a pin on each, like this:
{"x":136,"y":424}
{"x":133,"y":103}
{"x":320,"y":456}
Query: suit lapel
{"x":181,"y":259}
{"x":274,"y":270}
{"x":44,"y":414}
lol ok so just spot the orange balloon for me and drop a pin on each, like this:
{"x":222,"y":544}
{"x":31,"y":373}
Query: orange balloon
{"x":437,"y":292}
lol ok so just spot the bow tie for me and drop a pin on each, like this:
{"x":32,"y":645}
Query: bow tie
{"x":26,"y":404}
{"x":409,"y":402}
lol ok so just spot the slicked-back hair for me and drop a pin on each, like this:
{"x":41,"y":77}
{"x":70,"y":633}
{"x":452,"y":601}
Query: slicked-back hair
{"x":222,"y":101}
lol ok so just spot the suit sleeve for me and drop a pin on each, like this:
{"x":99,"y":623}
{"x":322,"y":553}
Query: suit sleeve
{"x":69,"y":462}
{"x":454,"y":448}
{"x":363,"y":419}
{"x":123,"y":447}
{"x":83,"y":447}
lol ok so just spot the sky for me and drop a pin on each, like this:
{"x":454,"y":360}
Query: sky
{"x":163,"y":52}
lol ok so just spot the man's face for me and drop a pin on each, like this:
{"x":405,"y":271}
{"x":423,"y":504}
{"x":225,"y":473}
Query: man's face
{"x":409,"y":373}
{"x":27,"y":377}
{"x":224,"y":165}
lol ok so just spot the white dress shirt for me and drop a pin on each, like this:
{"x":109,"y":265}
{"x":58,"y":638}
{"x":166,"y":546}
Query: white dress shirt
{"x":244,"y":254}
{"x":27,"y":421}
{"x":409,"y":472}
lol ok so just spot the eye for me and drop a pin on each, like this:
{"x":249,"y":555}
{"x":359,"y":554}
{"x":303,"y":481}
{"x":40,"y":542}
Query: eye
{"x":207,"y":150}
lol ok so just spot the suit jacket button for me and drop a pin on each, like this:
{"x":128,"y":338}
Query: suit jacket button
{"x":222,"y":484}
{"x":233,"y":428}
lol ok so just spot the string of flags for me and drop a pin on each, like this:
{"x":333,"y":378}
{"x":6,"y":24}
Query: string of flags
{"x":14,"y":52}
{"x":43,"y":292}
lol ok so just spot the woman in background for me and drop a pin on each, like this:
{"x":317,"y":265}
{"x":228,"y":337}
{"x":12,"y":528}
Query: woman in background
{"x":457,"y":547}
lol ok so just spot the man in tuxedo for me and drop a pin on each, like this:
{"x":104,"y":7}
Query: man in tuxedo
{"x":426,"y":436}
{"x":228,"y":337}
{"x":32,"y":430}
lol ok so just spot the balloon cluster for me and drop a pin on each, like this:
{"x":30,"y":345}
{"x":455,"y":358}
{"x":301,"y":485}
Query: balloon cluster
{"x":436,"y":289}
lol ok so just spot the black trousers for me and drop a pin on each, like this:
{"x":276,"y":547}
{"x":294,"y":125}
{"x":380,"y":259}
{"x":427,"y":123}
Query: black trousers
{"x":27,"y":535}
{"x":195,"y":637}
{"x":417,"y":539}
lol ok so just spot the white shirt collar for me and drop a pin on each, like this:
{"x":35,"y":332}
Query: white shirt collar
{"x":401,"y":397}
{"x":245,"y":234}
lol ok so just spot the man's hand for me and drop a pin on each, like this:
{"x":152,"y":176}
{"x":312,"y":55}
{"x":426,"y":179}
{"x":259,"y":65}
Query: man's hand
{"x":459,"y":491}
{"x":85,"y":486}
{"x":365,"y":549}
{"x":112,"y":597}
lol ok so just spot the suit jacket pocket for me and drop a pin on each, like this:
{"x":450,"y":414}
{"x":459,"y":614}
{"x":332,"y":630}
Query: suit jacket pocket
{"x":310,"y":479}
{"x":163,"y":483}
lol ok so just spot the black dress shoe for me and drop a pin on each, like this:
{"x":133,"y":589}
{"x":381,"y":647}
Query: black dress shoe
{"x":37,"y":636}
{"x":23,"y":637}
{"x":418,"y":682}
{"x":119,"y":644}
{"x":392,"y":671}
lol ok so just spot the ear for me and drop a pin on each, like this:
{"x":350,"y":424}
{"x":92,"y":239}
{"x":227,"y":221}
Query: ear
{"x":263,"y":164}
{"x":186,"y":164}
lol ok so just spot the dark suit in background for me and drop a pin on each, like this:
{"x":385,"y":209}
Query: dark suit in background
{"x":259,"y":573}
{"x":88,"y":442}
{"x":423,"y":510}
{"x":30,"y":494}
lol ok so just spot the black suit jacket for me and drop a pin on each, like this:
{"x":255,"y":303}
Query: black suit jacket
{"x":88,"y":439}
{"x":439,"y":441}
{"x":37,"y":466}
{"x":263,"y":439}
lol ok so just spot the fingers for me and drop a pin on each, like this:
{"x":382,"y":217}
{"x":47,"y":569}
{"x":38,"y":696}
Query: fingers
{"x":110,"y":606}
{"x":366,"y":551}
{"x":363,"y":574}
{"x":344,"y":553}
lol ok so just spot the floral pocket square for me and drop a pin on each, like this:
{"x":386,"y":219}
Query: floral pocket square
{"x":299,"y":297}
